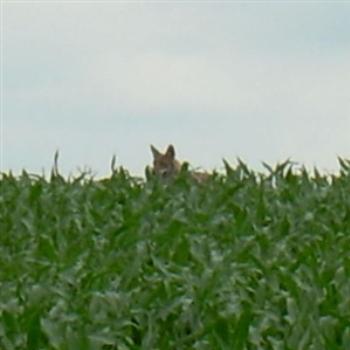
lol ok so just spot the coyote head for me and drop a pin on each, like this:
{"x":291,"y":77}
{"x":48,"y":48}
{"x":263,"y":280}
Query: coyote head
{"x":165,"y":165}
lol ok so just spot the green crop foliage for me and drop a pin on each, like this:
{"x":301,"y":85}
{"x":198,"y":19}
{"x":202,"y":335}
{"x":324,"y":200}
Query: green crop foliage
{"x":244,"y":261}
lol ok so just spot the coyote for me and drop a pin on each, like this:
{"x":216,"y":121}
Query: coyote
{"x":167,"y":167}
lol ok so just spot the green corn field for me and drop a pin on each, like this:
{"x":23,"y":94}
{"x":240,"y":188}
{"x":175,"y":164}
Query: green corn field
{"x":246,"y":260}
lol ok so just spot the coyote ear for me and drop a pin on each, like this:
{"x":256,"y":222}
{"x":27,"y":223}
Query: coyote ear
{"x":170,"y":152}
{"x":155,"y":152}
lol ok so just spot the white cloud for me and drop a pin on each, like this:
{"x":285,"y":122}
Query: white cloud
{"x":224,"y":84}
{"x":263,"y":82}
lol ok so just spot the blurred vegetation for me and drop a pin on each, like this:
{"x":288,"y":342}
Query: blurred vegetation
{"x":245,"y":260}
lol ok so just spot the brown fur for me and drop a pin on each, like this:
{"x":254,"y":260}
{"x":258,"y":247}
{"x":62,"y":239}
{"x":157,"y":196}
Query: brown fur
{"x":166,"y":166}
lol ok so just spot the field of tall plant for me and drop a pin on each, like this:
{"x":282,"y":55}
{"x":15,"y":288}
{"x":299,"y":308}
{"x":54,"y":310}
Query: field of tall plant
{"x":244,"y":261}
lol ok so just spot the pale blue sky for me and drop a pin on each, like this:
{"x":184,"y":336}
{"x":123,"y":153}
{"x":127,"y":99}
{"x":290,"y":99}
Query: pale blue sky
{"x":263,"y":81}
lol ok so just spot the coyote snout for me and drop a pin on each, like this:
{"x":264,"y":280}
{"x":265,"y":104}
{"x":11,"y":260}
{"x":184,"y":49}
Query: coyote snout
{"x":166,"y":166}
